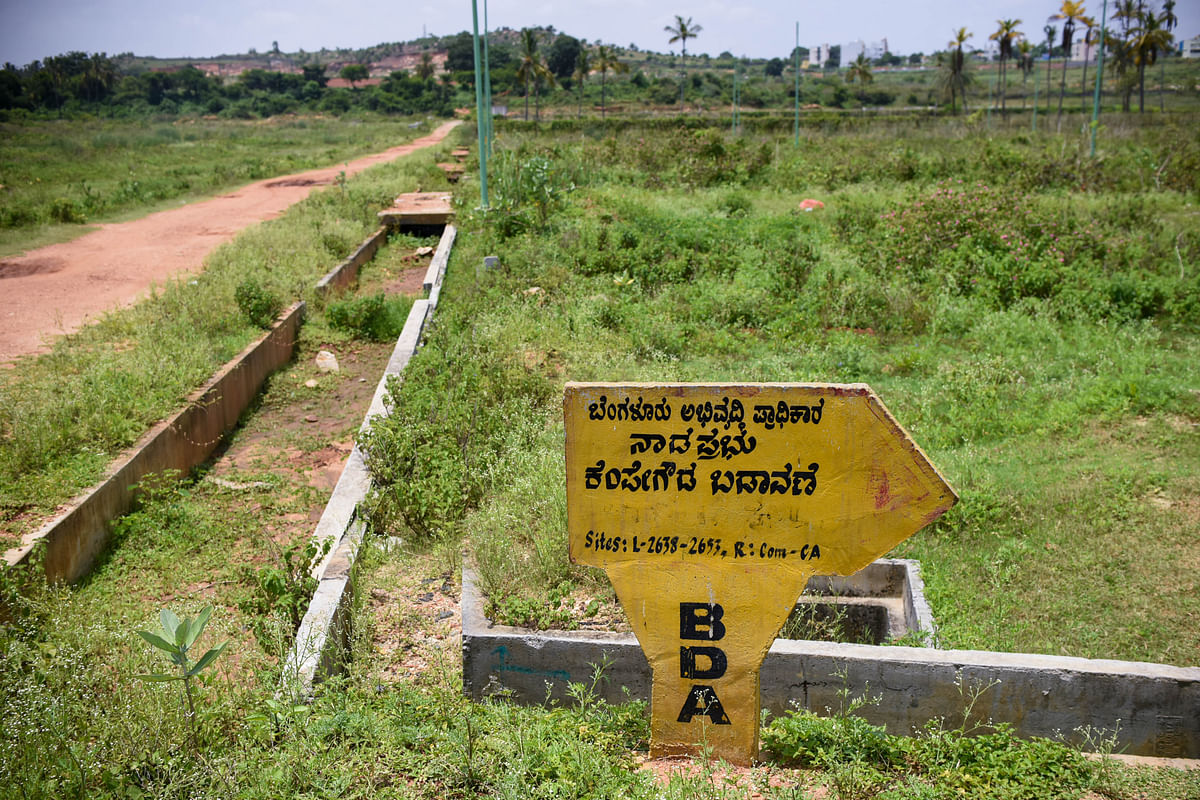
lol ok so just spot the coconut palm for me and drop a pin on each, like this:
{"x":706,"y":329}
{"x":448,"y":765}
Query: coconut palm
{"x":1090,"y":37}
{"x":860,"y":70}
{"x":680,"y":32}
{"x":530,"y":67}
{"x":1150,"y":38}
{"x":1050,"y":31}
{"x":606,"y":59}
{"x":1071,"y":14}
{"x":1025,"y":64}
{"x":1005,"y":35}
{"x":954,"y":70}
{"x":583,"y":66}
{"x":425,"y":67}
{"x":1128,"y":14}
{"x":1169,"y":21}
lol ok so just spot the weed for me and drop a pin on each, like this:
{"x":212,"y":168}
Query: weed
{"x":259,"y":306}
{"x":178,"y":636}
{"x":376,"y":317}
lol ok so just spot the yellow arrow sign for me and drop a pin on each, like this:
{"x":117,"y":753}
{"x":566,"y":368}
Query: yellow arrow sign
{"x":711,"y":505}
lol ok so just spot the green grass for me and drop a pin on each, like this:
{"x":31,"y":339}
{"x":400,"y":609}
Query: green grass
{"x":65,"y":415}
{"x":57,"y":174}
{"x":1058,"y":396}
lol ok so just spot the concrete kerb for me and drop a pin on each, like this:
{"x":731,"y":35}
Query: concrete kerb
{"x":76,"y":537}
{"x":323,"y":636}
{"x":346,"y":272}
{"x":1155,"y":708}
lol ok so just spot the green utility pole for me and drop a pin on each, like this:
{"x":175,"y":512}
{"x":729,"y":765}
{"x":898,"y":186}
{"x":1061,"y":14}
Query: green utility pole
{"x":479,"y":117}
{"x":734,"y":120}
{"x":1035,"y":102}
{"x":1099,"y":73}
{"x":796,"y":124}
{"x":487,"y":81}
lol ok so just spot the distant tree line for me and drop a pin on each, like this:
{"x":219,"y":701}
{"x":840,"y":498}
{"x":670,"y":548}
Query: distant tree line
{"x":82,"y":82}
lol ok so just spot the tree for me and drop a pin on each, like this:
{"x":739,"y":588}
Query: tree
{"x":774,"y":68}
{"x":1150,"y":37}
{"x":1090,"y":37}
{"x":315,"y":73}
{"x":1004,"y":35}
{"x":530,"y":68}
{"x":1169,"y":21}
{"x":1051,"y":31}
{"x":606,"y":59}
{"x":1025,"y":64}
{"x":460,"y":53}
{"x":860,"y":70}
{"x":1071,"y":14}
{"x":563,"y":55}
{"x":954,"y":69}
{"x":680,"y":32}
{"x":835,"y":57}
{"x":425,"y":68}
{"x":583,"y":66}
{"x":353,"y":73}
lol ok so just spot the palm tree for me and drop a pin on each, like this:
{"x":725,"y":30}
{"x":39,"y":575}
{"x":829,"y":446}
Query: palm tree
{"x":530,"y":68}
{"x":1169,"y":21}
{"x":606,"y":59}
{"x":583,"y":66}
{"x":860,"y":70}
{"x":1025,"y":64}
{"x":1150,"y":37}
{"x":425,"y":68}
{"x":680,"y":32}
{"x":1090,"y":37}
{"x":1129,"y":13}
{"x":1005,"y":35}
{"x":955,"y":77}
{"x":1071,"y":14}
{"x":1050,"y":32}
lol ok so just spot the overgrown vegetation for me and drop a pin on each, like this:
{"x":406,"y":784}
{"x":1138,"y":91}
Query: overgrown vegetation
{"x":64,"y":415}
{"x":993,"y":309}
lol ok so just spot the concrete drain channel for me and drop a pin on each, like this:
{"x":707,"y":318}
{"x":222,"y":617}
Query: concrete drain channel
{"x":1154,"y":709}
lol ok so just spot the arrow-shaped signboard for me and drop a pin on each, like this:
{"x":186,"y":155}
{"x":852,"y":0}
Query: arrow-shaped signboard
{"x":711,"y":505}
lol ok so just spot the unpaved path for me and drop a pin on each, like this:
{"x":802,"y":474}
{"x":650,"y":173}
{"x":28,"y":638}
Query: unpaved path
{"x":55,"y":290}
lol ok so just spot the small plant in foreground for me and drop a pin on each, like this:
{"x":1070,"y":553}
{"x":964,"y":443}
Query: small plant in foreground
{"x":179,"y":636}
{"x":259,"y":305}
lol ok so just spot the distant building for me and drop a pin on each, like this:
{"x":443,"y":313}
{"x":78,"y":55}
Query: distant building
{"x":819,"y":55}
{"x":1081,"y":50}
{"x":852,"y":50}
{"x":1190,"y":48}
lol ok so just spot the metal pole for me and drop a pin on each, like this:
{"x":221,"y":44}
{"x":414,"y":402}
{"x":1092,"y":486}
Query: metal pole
{"x":1035,"y":100}
{"x":1099,"y":73}
{"x":487,"y":81}
{"x":796,"y":124}
{"x":479,"y":123}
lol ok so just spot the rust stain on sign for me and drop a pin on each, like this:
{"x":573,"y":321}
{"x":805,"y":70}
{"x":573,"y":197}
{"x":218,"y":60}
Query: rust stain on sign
{"x":710,"y":506}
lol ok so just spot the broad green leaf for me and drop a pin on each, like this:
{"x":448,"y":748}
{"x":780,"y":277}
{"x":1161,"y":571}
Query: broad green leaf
{"x":158,"y":641}
{"x":159,"y":677}
{"x":197,"y":625}
{"x":206,"y":659}
{"x":170,"y":622}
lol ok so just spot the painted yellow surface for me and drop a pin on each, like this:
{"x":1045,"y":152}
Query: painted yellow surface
{"x":710,"y":506}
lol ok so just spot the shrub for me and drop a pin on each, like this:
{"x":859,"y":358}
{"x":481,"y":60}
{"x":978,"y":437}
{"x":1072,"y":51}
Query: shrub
{"x":376,"y":317}
{"x":259,"y":305}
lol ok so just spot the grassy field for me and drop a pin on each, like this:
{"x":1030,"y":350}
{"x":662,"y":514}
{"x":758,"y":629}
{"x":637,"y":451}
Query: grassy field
{"x":57,"y":175}
{"x":76,"y":722}
{"x":1029,"y":314}
{"x":65,"y":415}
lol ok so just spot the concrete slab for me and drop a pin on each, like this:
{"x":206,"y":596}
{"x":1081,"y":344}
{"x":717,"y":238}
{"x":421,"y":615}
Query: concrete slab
{"x":1155,"y":708}
{"x":419,"y":208}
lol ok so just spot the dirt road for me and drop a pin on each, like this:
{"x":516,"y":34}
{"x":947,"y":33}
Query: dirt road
{"x":56,"y":289}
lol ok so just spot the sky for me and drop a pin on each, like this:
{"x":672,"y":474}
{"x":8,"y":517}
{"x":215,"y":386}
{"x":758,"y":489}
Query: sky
{"x":34,"y":29}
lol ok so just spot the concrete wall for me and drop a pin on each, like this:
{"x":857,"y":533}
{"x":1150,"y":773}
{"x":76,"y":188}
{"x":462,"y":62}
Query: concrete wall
{"x":1155,"y":706}
{"x":79,"y":534}
{"x":345,"y":273}
{"x":323,"y":637}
